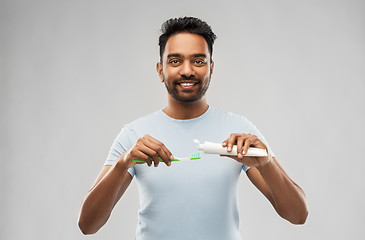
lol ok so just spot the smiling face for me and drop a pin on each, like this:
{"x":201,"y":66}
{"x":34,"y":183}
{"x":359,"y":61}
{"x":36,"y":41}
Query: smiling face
{"x":186,"y":67}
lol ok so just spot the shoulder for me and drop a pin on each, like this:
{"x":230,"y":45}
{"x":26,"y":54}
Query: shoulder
{"x":144,"y":125}
{"x":233,"y":121}
{"x":230,"y":116}
{"x":141,"y":121}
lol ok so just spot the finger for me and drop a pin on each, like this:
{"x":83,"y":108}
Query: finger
{"x":164,"y":156}
{"x":231,"y":141}
{"x":138,"y":153}
{"x":224,"y":143}
{"x":247,"y":144}
{"x":150,"y":149}
{"x":164,"y":148}
{"x":155,"y":159}
{"x":164,"y":153}
{"x":257,"y":143}
{"x":139,"y":148}
{"x":161,"y":151}
{"x":240,"y":152}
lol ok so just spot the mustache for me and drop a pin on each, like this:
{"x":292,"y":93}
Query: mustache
{"x":189,"y":78}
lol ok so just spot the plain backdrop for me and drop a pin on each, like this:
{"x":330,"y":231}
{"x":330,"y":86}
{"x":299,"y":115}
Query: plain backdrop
{"x":73,"y":72}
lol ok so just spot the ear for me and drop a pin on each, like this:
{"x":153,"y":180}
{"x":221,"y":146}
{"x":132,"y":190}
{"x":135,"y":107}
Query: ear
{"x":211,"y":67}
{"x":159,"y":69}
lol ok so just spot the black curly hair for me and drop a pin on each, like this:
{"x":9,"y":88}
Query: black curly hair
{"x":189,"y":25}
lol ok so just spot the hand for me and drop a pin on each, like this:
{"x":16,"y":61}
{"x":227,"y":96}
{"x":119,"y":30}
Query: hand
{"x":243,"y":142}
{"x":148,"y":149}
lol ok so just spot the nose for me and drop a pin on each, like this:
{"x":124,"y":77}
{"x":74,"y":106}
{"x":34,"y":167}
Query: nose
{"x":187,"y":70}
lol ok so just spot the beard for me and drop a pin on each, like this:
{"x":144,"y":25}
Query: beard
{"x":186,"y":96}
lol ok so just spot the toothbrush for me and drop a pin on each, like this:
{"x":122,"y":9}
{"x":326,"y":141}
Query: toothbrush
{"x":216,"y":148}
{"x":192,"y":156}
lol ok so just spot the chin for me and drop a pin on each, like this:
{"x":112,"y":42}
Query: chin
{"x":186,"y":98}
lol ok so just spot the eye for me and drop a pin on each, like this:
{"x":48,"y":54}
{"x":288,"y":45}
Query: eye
{"x":174,"y":61}
{"x":199,"y":62}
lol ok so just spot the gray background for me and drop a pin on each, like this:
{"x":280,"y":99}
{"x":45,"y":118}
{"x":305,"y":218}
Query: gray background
{"x":73,"y":72}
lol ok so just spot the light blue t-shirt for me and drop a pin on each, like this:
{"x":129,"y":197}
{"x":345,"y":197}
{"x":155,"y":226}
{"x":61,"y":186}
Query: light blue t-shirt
{"x":190,"y":199}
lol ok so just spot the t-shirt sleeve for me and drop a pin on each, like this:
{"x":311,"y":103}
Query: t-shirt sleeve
{"x":245,"y":168}
{"x":121,"y":143}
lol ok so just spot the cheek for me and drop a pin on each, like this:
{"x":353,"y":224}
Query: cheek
{"x":205,"y":73}
{"x":168,"y":73}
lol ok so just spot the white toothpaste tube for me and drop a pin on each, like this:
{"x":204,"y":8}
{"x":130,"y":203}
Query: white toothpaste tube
{"x":217,"y":148}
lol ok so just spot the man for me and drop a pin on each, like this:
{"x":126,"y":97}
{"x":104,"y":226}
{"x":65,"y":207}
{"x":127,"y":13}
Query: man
{"x":190,"y":199}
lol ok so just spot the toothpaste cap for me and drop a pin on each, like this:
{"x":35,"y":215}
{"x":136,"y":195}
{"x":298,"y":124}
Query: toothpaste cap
{"x":198,"y":145}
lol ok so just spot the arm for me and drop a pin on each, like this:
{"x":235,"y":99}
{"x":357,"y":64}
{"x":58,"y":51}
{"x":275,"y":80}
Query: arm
{"x":285,"y":195}
{"x":113,"y":181}
{"x":96,"y":208}
{"x":268,"y":176}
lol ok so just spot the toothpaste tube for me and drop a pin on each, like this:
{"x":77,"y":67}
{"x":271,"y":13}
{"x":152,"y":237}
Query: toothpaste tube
{"x":217,"y":148}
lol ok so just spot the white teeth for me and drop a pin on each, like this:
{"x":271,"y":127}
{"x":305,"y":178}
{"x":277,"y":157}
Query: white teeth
{"x":186,"y":84}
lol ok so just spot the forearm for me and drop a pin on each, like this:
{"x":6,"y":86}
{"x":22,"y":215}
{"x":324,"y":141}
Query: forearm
{"x":101,"y":199}
{"x":287,"y":197}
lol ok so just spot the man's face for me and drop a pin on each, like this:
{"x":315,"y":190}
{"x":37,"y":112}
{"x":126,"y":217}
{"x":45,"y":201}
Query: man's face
{"x":186,"y":67}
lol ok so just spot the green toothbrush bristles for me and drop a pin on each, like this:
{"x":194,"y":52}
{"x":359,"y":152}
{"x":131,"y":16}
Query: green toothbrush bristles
{"x":194,"y":156}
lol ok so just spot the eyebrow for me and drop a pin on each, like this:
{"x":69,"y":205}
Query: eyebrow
{"x":173,"y":55}
{"x":200,"y":55}
{"x":179,"y":55}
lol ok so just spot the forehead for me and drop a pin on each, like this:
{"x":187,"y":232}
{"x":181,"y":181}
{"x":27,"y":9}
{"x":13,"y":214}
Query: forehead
{"x":186,"y":44}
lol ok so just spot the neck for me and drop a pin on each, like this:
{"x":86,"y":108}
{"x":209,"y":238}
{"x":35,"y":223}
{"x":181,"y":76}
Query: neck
{"x":179,"y":110}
